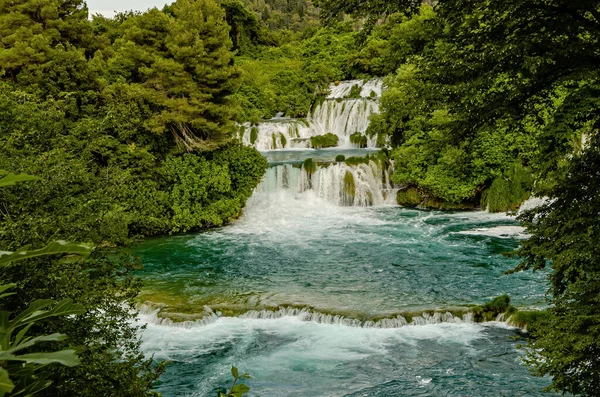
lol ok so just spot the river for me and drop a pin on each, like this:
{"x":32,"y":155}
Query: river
{"x":322,"y":291}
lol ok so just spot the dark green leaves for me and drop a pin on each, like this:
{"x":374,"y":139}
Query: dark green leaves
{"x":12,"y":179}
{"x":14,"y":340}
{"x":53,"y":248}
{"x":237,"y":390}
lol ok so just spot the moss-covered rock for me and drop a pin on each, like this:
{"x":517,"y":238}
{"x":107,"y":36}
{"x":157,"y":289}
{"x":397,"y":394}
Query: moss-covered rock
{"x":412,"y":197}
{"x":324,"y":141}
{"x":408,"y":197}
{"x":309,"y":166}
{"x":527,"y":319}
{"x":491,"y":310}
{"x":339,"y":158}
{"x":509,"y":191}
{"x":349,"y":188}
{"x":358,"y":139}
{"x":253,"y":135}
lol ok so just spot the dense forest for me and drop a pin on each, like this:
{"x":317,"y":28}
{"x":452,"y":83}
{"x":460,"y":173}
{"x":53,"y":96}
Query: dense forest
{"x":128,"y":127}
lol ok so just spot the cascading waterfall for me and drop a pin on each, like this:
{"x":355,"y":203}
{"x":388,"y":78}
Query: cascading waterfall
{"x":338,"y":114}
{"x":151,"y":315}
{"x":369,"y":89}
{"x":344,"y":118}
{"x":337,"y":183}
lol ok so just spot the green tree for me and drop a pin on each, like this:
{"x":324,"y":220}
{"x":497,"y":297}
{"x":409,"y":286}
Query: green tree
{"x":566,"y":237}
{"x":42,"y":45}
{"x":180,"y":65}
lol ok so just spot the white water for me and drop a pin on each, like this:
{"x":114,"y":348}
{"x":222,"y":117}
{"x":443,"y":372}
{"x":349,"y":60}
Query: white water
{"x":371,"y":88}
{"x":150,"y":315}
{"x":337,"y":183}
{"x":337,"y":114}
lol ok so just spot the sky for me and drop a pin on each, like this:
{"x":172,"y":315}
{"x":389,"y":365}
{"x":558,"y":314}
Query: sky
{"x":108,"y":7}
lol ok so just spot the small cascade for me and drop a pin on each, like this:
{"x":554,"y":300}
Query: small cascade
{"x":333,"y":319}
{"x":337,"y":183}
{"x":344,"y":118}
{"x":278,"y":133}
{"x":369,"y":89}
{"x":150,"y":316}
{"x":345,"y":111}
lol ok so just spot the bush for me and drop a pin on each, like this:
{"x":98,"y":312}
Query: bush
{"x":324,"y":141}
{"x":508,"y":191}
{"x":358,"y":139}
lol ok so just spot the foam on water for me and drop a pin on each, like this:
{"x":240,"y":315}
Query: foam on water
{"x":339,"y":184}
{"x":290,"y":357}
{"x":368,"y":88}
{"x":498,"y":231}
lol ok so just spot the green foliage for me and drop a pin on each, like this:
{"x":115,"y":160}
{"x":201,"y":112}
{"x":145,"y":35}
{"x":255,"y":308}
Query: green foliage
{"x":22,"y":371}
{"x":184,"y":79}
{"x":12,"y":179}
{"x":237,"y":389}
{"x":100,"y":111}
{"x":53,"y":248}
{"x":349,"y":188}
{"x":358,"y":139}
{"x":331,"y":10}
{"x":26,"y":371}
{"x":290,"y":77}
{"x":340,"y":158}
{"x":324,"y":141}
{"x":253,"y":135}
{"x":565,"y":234}
{"x":508,"y":191}
{"x":309,"y":166}
{"x":394,"y":42}
{"x":355,"y":91}
{"x":490,"y":310}
{"x":208,"y":193}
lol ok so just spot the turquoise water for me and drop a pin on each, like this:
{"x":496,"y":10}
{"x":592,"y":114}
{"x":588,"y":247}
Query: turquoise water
{"x":342,"y":269}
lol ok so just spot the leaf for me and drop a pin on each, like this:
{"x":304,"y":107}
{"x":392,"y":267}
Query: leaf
{"x":30,"y":342}
{"x":12,"y":179}
{"x":246,"y":376}
{"x":6,"y":385}
{"x":33,"y":309}
{"x":21,"y":334}
{"x":37,"y":386}
{"x":234,"y":372}
{"x":4,"y":287}
{"x":64,"y":357}
{"x":55,"y":247}
{"x":239,"y":390}
{"x":63,"y":308}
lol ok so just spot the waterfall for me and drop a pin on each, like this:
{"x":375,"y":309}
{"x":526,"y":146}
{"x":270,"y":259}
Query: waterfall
{"x":360,"y":181}
{"x":150,"y":315}
{"x":337,"y":113}
{"x":344,"y":118}
{"x":278,"y":133}
{"x":338,"y":183}
{"x":371,"y":88}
